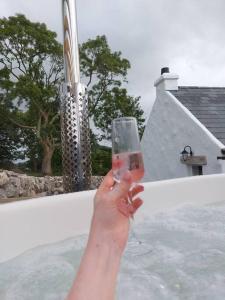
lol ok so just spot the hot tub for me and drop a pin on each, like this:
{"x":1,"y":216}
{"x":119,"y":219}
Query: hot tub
{"x":27,"y":224}
{"x":30,"y":223}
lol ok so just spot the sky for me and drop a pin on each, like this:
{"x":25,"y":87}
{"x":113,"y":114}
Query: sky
{"x":185,"y":35}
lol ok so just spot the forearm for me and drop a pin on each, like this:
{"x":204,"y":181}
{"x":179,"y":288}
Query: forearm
{"x":97,"y":274}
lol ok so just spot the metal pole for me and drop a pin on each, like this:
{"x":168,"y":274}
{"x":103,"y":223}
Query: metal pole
{"x":74,"y":110}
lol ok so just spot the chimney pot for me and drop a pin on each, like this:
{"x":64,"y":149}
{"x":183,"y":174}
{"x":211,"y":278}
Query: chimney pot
{"x":165,"y":70}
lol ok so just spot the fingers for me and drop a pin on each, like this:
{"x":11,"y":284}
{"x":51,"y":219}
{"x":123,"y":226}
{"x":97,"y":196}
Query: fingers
{"x":129,"y":209}
{"x":121,"y":189}
{"x":137,"y":189}
{"x":135,"y":205}
{"x":123,"y":208}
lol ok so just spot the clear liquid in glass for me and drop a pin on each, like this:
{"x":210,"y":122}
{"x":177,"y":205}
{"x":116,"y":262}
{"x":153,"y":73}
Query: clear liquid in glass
{"x":128,"y":161}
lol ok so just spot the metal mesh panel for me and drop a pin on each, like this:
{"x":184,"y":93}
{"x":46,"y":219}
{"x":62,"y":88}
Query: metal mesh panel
{"x":76,"y":141}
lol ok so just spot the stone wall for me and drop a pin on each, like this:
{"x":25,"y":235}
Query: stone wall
{"x":15,"y":185}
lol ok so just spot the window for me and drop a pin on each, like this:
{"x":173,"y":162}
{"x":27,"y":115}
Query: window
{"x":197,"y":170}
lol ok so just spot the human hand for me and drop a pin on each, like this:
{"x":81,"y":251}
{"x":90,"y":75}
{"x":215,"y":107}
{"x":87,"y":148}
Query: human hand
{"x":96,"y":277}
{"x":112,"y":209}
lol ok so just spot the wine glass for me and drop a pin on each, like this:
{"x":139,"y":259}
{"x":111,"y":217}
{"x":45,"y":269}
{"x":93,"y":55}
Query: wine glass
{"x":126,"y":149}
{"x":127,"y":156}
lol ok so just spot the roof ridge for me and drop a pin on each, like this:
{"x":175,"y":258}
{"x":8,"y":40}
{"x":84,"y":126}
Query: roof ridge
{"x":200,"y":87}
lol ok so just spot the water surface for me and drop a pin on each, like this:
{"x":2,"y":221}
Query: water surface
{"x":181,"y":256}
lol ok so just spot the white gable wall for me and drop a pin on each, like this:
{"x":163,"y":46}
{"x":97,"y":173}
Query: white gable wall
{"x":169,"y":129}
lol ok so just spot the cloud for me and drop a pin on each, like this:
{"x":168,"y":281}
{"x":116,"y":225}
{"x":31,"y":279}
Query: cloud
{"x":186,"y":35}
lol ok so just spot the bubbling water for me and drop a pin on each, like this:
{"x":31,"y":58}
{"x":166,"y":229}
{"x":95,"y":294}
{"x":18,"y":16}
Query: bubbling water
{"x":186,"y":260}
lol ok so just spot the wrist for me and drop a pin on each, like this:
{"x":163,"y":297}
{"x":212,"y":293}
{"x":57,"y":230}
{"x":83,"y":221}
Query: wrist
{"x":104,"y":238}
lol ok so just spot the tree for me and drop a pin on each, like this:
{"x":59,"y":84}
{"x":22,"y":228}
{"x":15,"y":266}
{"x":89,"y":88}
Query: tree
{"x":101,"y":157}
{"x":10,"y":140}
{"x":105,"y":73}
{"x":9,"y":144}
{"x":31,"y":61}
{"x":31,"y":66}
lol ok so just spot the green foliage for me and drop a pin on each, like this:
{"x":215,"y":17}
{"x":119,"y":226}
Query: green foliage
{"x":10,"y":139}
{"x":30,"y":71}
{"x":97,"y":60}
{"x":10,"y":143}
{"x":117,"y":103}
{"x":57,"y":162}
{"x":33,"y":151}
{"x":105,"y":72}
{"x":101,"y":158}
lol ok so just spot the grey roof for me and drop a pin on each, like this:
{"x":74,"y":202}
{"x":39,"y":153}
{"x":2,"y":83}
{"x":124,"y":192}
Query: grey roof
{"x":207,"y":104}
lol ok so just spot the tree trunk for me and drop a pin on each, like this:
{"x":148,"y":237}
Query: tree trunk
{"x":46,"y":167}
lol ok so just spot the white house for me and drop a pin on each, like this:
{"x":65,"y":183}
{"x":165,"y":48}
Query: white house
{"x":184,"y":116}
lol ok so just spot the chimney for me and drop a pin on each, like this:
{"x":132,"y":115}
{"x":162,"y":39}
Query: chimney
{"x":167,"y":81}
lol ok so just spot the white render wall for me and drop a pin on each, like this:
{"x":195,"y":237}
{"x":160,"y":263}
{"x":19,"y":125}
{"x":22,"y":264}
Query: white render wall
{"x":171,"y":127}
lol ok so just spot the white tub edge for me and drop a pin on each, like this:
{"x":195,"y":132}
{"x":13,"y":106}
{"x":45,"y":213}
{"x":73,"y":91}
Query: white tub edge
{"x":30,"y":223}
